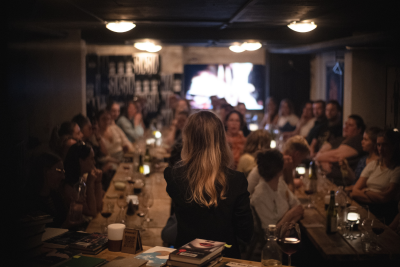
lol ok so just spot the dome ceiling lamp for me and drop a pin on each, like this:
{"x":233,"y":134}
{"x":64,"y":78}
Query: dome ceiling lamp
{"x":148,"y":46}
{"x":120,"y":26}
{"x":246,"y":46}
{"x":302,"y":26}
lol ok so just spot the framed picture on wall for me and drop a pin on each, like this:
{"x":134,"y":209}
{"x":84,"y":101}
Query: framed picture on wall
{"x":392,"y":104}
{"x":334,"y":82}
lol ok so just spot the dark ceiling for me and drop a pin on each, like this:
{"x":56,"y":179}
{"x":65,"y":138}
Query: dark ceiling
{"x":208,"y":22}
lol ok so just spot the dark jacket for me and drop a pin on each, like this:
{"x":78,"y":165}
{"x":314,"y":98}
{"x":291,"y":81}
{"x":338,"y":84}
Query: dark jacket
{"x":231,"y":219}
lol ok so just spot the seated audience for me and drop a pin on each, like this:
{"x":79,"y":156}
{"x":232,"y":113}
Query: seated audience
{"x":115,"y":110}
{"x":257,"y":140}
{"x":272,"y":200}
{"x":225,"y":109}
{"x":64,"y":136}
{"x":270,"y":119}
{"x":287,"y":120}
{"x":379,"y":183}
{"x":211,"y":200}
{"x":131,"y":122}
{"x":305,"y":123}
{"x":216,"y":105}
{"x":241,"y":107}
{"x":330,"y":130}
{"x":79,"y":167}
{"x":175,"y":132}
{"x":296,"y":150}
{"x":369,"y":146}
{"x":115,"y":141}
{"x":320,"y":122}
{"x":182,"y":105}
{"x":45,"y":186}
{"x":234,"y":136}
{"x":347,"y":147}
{"x":63,"y":145}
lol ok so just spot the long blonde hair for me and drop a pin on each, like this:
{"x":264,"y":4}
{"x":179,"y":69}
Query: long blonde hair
{"x":206,"y":156}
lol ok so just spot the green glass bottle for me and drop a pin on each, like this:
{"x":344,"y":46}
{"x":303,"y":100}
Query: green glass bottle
{"x":331,"y":215}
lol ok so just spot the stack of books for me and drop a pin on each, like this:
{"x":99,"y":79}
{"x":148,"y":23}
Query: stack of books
{"x":83,"y":242}
{"x":197,"y":253}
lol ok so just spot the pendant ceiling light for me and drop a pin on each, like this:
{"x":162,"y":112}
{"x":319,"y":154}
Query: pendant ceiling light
{"x":302,"y":26}
{"x":148,"y":46}
{"x":120,"y":26}
{"x":251,"y":46}
{"x":236,"y":48}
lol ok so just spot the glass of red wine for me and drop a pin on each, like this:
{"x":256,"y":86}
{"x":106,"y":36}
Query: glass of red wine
{"x":378,"y":227}
{"x":106,"y":213}
{"x":289,"y":237}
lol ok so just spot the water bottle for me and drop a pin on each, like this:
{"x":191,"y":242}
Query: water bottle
{"x":271,"y":253}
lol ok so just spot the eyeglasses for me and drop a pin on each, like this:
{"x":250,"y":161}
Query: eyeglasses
{"x":60,"y":170}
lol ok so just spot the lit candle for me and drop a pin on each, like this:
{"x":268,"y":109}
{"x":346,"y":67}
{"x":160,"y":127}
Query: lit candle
{"x":353,"y":217}
{"x":273,"y":144}
{"x":115,"y":235}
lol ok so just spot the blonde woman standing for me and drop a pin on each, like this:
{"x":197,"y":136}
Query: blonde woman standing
{"x":211,"y":200}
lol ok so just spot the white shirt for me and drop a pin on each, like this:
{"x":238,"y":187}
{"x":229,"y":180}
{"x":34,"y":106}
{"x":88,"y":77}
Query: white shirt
{"x":307,"y":127}
{"x":272,"y":205}
{"x":292,"y":119}
{"x":253,"y":179}
{"x":378,"y":179}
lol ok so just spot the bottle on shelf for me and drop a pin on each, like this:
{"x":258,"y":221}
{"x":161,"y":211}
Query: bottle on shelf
{"x":271,"y":253}
{"x":331,"y":215}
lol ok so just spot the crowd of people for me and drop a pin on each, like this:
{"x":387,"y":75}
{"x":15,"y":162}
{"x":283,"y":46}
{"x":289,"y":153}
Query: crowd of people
{"x":220,"y":173}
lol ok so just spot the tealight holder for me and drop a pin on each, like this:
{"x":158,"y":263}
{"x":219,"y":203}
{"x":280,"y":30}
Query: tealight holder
{"x":352,"y":217}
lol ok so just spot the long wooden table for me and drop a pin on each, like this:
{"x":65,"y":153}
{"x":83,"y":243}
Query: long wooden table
{"x":159,"y":212}
{"x":336,"y":246}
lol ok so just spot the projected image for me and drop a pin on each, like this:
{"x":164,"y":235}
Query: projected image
{"x":236,"y":82}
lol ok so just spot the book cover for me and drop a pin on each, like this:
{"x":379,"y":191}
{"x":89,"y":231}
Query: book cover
{"x":208,"y":263}
{"x":91,"y":242}
{"x":126,"y":262}
{"x":156,"y":256}
{"x":62,"y":241}
{"x":197,"y":251}
{"x":82,"y":261}
{"x":52,"y":232}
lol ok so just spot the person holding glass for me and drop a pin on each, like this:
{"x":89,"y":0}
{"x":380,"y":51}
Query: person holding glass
{"x":379,"y":183}
{"x":211,"y":199}
{"x":272,"y":199}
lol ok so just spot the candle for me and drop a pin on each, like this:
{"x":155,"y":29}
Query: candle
{"x":301,"y":170}
{"x":353,"y":217}
{"x":115,"y":235}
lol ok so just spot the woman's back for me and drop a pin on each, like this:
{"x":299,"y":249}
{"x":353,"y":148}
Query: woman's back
{"x":230,"y":219}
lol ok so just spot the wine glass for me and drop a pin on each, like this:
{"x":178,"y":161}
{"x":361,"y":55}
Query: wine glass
{"x":378,"y":227}
{"x":108,"y":208}
{"x":122,"y":204}
{"x":289,"y":239}
{"x":146,"y":200}
{"x":310,"y":187}
{"x":352,"y":217}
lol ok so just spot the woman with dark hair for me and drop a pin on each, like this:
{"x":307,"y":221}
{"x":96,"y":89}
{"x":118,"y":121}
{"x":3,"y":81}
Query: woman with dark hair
{"x":257,"y":140}
{"x":64,"y":136}
{"x":80,"y":169}
{"x":70,"y":128}
{"x":305,"y":123}
{"x":234,"y":135}
{"x":379,"y":183}
{"x":44,"y":188}
{"x":270,"y":119}
{"x":287,"y":120}
{"x":272,"y":199}
{"x":131,"y":122}
{"x":211,"y":200}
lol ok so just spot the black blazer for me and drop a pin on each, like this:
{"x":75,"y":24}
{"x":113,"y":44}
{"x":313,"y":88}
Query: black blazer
{"x":230,"y":220}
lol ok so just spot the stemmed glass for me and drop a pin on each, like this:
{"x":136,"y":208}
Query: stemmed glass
{"x":289,"y":239}
{"x":146,"y":200}
{"x":310,"y":187}
{"x":352,"y":217}
{"x":378,"y":227}
{"x":108,"y":208}
{"x":122,"y":204}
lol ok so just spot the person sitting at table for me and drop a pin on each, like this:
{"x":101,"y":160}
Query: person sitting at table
{"x":64,"y":136}
{"x":296,"y":150}
{"x":347,"y":147}
{"x":368,"y":145}
{"x":305,"y":123}
{"x":114,"y":139}
{"x":234,"y":136}
{"x":272,"y":199}
{"x":131,"y":122}
{"x":211,"y":199}
{"x":175,"y":130}
{"x":379,"y":183}
{"x":115,"y":110}
{"x":225,"y":110}
{"x":256,"y":141}
{"x":270,"y":119}
{"x":287,"y":120}
{"x":79,"y":163}
{"x":45,"y":186}
{"x":241,"y":107}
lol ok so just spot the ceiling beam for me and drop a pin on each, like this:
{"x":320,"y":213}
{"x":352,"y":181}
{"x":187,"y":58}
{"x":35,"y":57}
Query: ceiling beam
{"x":238,"y":13}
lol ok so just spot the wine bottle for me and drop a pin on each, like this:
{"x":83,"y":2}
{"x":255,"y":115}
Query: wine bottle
{"x":140,"y":168}
{"x":313,"y":171}
{"x":331,"y":215}
{"x":147,"y":162}
{"x":271,"y":253}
